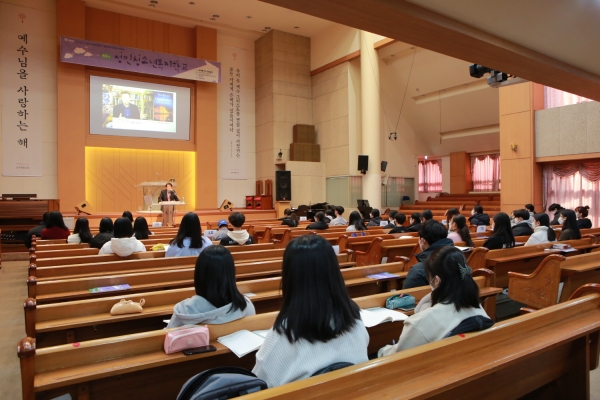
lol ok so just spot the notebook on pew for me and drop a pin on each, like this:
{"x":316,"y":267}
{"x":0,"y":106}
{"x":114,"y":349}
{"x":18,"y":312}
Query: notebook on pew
{"x":243,"y":342}
{"x":382,"y":275}
{"x":379,"y":315}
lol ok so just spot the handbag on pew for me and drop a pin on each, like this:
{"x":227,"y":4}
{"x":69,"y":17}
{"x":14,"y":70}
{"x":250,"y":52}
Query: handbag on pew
{"x":399,"y":301}
{"x":127,"y":307}
{"x":186,"y":337}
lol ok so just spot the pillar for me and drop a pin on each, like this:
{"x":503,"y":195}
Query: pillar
{"x":371,"y":119}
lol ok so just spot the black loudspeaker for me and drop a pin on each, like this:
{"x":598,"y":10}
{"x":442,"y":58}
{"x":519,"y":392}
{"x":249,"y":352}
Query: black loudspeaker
{"x":383,"y":166}
{"x":283,"y":185}
{"x":363,"y":163}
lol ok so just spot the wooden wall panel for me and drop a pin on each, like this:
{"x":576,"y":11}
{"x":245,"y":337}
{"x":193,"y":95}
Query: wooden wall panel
{"x":111,"y":175}
{"x":461,"y":180}
{"x":516,"y":128}
{"x":515,"y":99}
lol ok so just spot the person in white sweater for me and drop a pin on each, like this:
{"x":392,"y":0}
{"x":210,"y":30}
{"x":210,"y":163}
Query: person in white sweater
{"x":123,"y":244}
{"x":217,"y":299}
{"x":318,"y":324}
{"x":454,"y":299}
{"x":542,"y":232}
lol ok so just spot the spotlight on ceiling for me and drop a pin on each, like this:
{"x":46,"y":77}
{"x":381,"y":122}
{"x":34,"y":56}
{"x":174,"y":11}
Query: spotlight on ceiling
{"x":497,"y":78}
{"x":296,"y":27}
{"x":215,"y":15}
{"x":192,"y":3}
{"x":249,"y":16}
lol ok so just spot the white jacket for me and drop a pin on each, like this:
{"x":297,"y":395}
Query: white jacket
{"x":175,"y":251}
{"x":74,"y":238}
{"x":122,"y":247}
{"x":539,"y":236}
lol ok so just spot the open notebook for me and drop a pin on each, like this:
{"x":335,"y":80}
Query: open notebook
{"x":244,"y":342}
{"x":378,"y":315}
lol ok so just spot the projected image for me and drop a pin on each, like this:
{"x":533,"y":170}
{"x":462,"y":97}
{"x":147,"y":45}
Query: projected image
{"x":131,"y":108}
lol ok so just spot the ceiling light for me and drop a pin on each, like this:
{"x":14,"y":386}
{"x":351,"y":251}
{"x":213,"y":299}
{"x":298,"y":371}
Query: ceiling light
{"x":296,"y":27}
{"x":267,"y":27}
{"x":153,"y":1}
{"x":249,"y":16}
{"x":215,"y":15}
{"x":213,"y":19}
{"x":192,"y":3}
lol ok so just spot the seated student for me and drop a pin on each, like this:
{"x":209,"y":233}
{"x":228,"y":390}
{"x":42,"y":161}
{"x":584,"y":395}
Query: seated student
{"x":290,"y":219}
{"x":460,"y":231}
{"x":375,"y":218}
{"x":238,"y":236}
{"x":454,"y":303}
{"x":414,"y":222}
{"x":128,"y":215}
{"x":391,"y":220}
{"x":123,"y":244}
{"x":81,"y":232}
{"x":223,"y":230}
{"x":502,"y":235}
{"x":140,"y":229}
{"x":583,"y":222}
{"x":37,"y":231}
{"x":338,"y":220}
{"x":329,"y":215}
{"x":432,"y":236}
{"x":531,"y":210}
{"x":521,"y":226}
{"x":400,"y":219}
{"x":320,"y":223}
{"x":105,"y":233}
{"x":450,"y":213}
{"x":478,"y":217}
{"x":318,"y":323}
{"x":189,"y":240}
{"x":426,"y":216}
{"x":542,"y":232}
{"x":555,"y":209}
{"x":356,"y":222}
{"x":55,"y":227}
{"x":217,"y":299}
{"x":570,"y":231}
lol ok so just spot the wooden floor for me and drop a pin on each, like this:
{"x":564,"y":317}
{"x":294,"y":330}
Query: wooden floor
{"x":12,"y":293}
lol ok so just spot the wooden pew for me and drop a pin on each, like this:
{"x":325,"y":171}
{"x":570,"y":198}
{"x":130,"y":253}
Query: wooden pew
{"x":118,"y":367}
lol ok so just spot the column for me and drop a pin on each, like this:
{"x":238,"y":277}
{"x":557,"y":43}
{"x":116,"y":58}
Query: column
{"x":371,"y":120}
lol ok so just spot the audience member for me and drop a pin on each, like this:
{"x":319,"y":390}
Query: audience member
{"x":222,"y":231}
{"x":478,"y":217}
{"x":37,"y":231}
{"x":450,"y":213}
{"x":460,"y":231}
{"x":391,"y":220}
{"x":290,"y":219}
{"x":105,"y":230}
{"x":55,"y":227}
{"x":521,"y":225}
{"x":318,"y":323}
{"x":414,"y":222}
{"x":124,"y":243}
{"x":455,"y":306}
{"x":237,"y":236}
{"x":568,"y":220}
{"x":555,"y":209}
{"x":432,"y":236}
{"x":140,"y":229}
{"x":128,"y":215}
{"x":375,"y":218}
{"x":531,"y":210}
{"x":502,"y":234}
{"x":81,"y":232}
{"x":338,"y":220}
{"x":189,"y":240}
{"x":217,"y":299}
{"x":583,"y":222}
{"x":400,"y":219}
{"x":319,"y":223}
{"x":329,"y":215}
{"x":426,"y":215}
{"x":542,"y":232}
{"x":356,"y":222}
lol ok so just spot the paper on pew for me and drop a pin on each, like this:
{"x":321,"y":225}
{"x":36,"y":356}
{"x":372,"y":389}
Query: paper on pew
{"x":407,"y":237}
{"x":336,"y":249}
{"x":463,"y":249}
{"x":378,"y":315}
{"x":242,"y":342}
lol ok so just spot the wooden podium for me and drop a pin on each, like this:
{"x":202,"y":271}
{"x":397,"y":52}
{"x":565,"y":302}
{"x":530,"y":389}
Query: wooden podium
{"x":280,"y":207}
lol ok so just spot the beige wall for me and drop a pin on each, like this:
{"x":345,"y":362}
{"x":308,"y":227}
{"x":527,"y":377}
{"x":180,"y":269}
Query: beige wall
{"x":308,"y":182}
{"x":44,"y":186}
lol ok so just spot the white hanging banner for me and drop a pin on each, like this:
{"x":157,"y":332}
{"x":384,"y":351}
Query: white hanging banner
{"x":22,"y":49}
{"x":232,"y":121}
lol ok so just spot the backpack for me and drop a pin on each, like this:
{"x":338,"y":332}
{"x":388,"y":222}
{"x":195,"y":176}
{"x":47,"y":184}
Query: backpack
{"x":221,"y":383}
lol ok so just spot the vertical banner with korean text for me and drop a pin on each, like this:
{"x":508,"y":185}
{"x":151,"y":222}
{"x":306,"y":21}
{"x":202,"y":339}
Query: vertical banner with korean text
{"x":22,"y":48}
{"x":233,"y":107}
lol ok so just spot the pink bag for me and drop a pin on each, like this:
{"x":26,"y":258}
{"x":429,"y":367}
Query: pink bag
{"x":186,"y":337}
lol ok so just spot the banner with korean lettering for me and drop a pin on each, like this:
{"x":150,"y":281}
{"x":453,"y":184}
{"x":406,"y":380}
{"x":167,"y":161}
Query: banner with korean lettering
{"x":234,"y":107}
{"x":104,"y":55}
{"x":22,"y":90}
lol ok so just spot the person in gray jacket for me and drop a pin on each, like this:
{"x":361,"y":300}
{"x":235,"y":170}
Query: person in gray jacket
{"x":217,"y":298}
{"x":338,"y":220}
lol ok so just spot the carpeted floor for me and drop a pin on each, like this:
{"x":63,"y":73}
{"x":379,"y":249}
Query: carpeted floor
{"x":13,"y":291}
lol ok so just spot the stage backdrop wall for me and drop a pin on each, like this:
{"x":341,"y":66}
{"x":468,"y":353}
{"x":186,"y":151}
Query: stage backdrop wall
{"x":111,"y":175}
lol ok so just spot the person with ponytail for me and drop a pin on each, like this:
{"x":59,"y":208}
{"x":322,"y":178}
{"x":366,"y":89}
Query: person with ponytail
{"x":459,"y":231}
{"x":583,"y":222}
{"x":455,"y":306}
{"x":542,"y":232}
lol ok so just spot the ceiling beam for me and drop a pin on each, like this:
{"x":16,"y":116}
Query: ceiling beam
{"x":418,"y":26}
{"x":477,"y":130}
{"x":452,"y":91}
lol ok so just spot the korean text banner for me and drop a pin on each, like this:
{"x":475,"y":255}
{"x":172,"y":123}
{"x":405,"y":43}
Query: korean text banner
{"x":104,"y":55}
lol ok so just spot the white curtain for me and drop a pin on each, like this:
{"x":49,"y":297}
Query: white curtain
{"x":485,"y":171}
{"x":558,"y":98}
{"x":430,"y":176}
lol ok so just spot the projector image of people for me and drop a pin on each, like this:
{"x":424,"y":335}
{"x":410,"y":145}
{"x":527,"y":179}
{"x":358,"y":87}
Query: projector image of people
{"x":126,"y":109}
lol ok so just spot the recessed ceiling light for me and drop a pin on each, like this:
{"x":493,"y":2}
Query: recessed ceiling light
{"x":213,"y":19}
{"x":249,"y":16}
{"x":192,"y":3}
{"x":154,"y":1}
{"x":267,"y":27}
{"x":215,"y":15}
{"x":296,"y":27}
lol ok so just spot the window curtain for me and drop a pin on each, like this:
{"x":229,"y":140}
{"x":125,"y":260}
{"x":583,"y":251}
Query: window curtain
{"x":430,"y":176}
{"x":572,"y":185}
{"x":485,"y":171}
{"x":558,"y":98}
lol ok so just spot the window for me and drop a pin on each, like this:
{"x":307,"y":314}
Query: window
{"x":485,"y":171}
{"x":558,"y":98}
{"x":430,"y":176}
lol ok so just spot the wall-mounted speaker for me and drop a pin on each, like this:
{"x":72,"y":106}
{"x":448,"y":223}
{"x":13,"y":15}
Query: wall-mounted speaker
{"x":283,"y":185}
{"x":383,"y":166}
{"x":363,"y":163}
